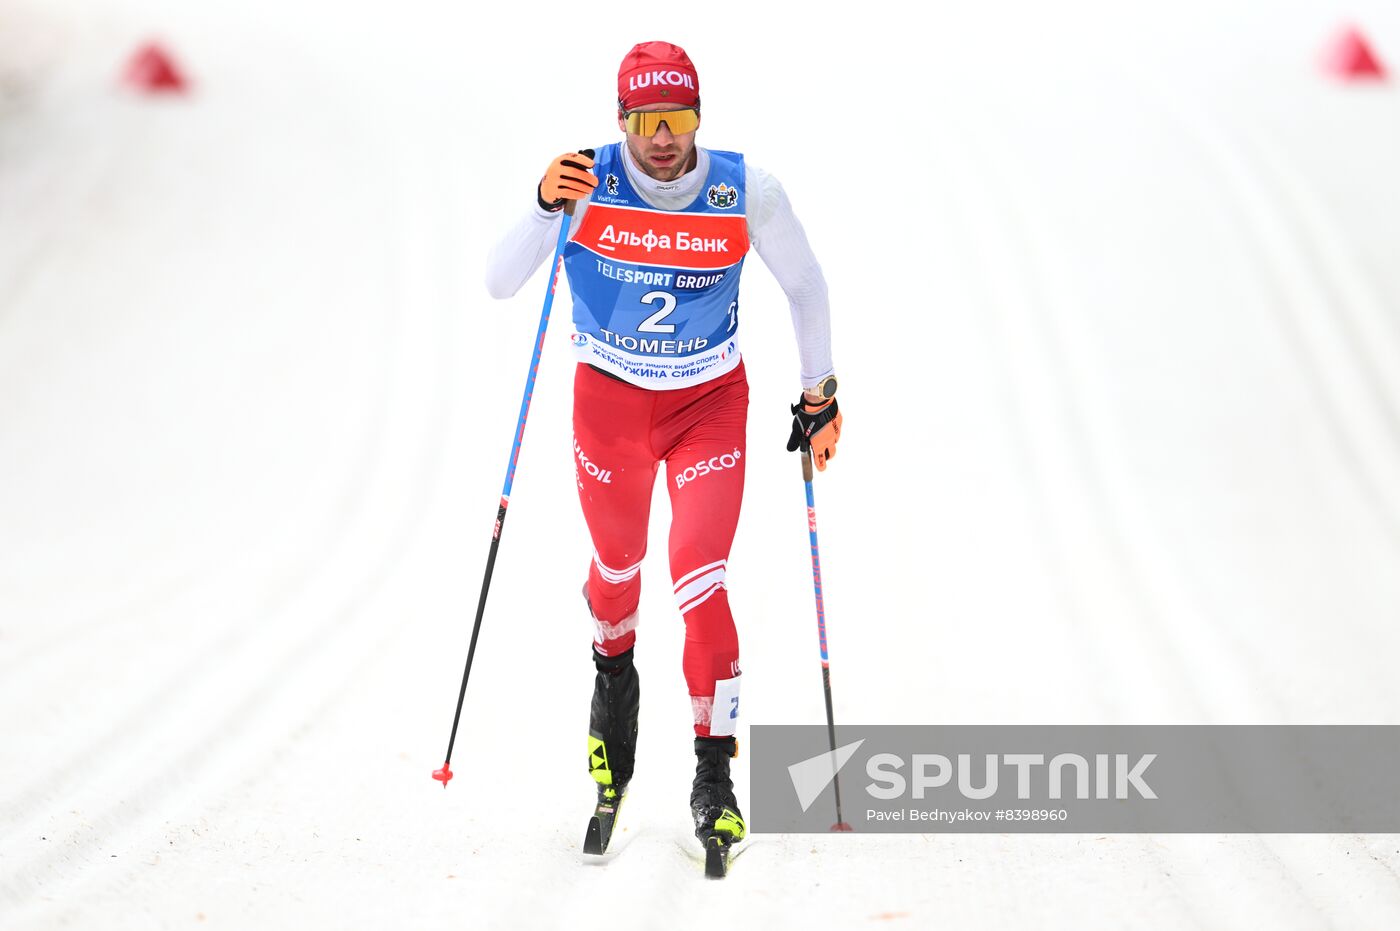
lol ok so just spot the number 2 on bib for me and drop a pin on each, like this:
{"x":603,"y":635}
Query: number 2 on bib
{"x":653,"y":323}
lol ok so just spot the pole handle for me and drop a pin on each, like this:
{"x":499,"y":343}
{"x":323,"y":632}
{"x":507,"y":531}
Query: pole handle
{"x":806,"y":466}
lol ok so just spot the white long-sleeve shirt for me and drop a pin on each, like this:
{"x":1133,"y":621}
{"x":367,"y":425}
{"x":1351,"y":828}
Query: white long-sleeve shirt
{"x":774,"y":232}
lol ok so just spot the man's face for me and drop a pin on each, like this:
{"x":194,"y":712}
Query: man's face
{"x":665,"y":156}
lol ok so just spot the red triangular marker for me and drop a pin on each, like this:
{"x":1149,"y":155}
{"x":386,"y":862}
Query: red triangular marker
{"x":151,"y":69}
{"x":1350,"y":57}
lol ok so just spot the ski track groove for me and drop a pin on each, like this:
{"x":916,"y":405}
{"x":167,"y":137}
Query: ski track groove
{"x":1242,"y":163}
{"x":1353,"y":299}
{"x":339,"y":621}
{"x":1254,"y":160}
{"x":1110,"y":519}
{"x":1150,"y":577}
{"x":221,"y":651}
{"x":1343,"y":286}
{"x":1237,"y":158}
{"x":1027,"y":300}
{"x":1273,"y":252}
{"x":139,"y":602}
{"x":992,"y":322}
{"x":261,"y":691}
{"x":91,"y":764}
{"x":72,"y":189}
{"x":1346,"y":286}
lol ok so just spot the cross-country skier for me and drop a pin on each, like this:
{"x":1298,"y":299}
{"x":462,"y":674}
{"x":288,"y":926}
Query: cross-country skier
{"x":653,"y":263}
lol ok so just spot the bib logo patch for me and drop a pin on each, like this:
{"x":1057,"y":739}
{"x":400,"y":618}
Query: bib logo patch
{"x":721,"y":196}
{"x":612,"y":183}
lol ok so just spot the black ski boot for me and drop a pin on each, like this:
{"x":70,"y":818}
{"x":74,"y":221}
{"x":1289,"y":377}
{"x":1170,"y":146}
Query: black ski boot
{"x":612,"y":726}
{"x":612,"y":743}
{"x":718,"y":821}
{"x":712,"y":800}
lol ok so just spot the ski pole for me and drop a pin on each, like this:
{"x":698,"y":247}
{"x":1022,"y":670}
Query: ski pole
{"x":445,"y":774}
{"x":840,"y":824}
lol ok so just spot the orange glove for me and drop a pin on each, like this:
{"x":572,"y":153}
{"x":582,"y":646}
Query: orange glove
{"x":567,"y":178}
{"x":816,"y":426}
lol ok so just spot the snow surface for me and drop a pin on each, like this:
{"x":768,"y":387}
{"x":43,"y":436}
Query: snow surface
{"x":1117,"y":314}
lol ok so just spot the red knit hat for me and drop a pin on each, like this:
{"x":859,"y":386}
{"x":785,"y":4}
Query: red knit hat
{"x":657,"y":72}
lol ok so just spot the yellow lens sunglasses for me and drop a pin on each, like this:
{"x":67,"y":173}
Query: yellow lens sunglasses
{"x":647,"y":122}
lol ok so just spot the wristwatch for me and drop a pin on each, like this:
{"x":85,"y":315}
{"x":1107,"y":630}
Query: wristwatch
{"x":825,"y":389}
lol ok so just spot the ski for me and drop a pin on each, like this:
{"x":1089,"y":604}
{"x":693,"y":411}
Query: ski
{"x":716,"y":858}
{"x":600,"y":827}
{"x":717,"y":863}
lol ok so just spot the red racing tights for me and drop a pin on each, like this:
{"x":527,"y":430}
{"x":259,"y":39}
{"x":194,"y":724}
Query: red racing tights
{"x":622,"y":433}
